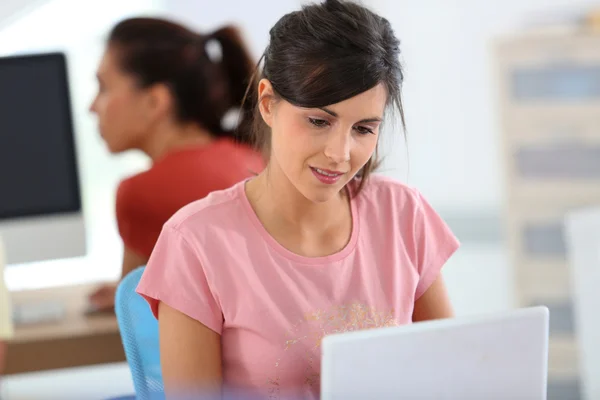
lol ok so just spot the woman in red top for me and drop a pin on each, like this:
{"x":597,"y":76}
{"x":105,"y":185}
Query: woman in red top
{"x":168,"y":91}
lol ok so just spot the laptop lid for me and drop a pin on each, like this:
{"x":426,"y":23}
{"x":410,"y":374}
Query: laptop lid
{"x":499,"y":356}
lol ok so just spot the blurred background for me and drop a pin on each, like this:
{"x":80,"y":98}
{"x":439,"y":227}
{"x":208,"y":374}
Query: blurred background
{"x":502,"y":103}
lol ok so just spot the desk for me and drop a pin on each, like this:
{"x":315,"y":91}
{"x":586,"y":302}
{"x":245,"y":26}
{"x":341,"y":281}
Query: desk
{"x":76,"y":340}
{"x":106,"y":381}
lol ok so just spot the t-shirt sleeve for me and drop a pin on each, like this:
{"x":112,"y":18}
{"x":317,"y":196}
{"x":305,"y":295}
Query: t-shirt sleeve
{"x":139,"y":227}
{"x":175,"y":276}
{"x":434,"y":242}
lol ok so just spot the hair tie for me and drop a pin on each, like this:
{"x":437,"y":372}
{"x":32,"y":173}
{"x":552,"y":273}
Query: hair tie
{"x":213,"y":49}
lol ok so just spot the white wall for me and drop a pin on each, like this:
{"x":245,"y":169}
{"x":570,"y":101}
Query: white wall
{"x":255,"y":18}
{"x":12,"y":10}
{"x":449,"y":94}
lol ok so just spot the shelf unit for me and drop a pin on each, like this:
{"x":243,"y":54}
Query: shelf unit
{"x":548,"y":88}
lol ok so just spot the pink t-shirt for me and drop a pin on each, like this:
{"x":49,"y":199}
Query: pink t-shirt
{"x":215,"y":262}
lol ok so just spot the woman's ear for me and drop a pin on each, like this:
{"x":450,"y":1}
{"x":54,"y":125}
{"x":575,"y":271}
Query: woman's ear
{"x":159,"y":101}
{"x":265,"y":101}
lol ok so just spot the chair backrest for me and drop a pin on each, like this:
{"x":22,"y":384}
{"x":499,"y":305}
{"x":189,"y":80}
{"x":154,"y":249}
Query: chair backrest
{"x":583,"y":250}
{"x":139,"y":334}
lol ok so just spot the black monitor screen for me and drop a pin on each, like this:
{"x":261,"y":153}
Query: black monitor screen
{"x":38,"y":168}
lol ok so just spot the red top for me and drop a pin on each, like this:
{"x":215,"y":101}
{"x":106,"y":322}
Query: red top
{"x":147,"y":200}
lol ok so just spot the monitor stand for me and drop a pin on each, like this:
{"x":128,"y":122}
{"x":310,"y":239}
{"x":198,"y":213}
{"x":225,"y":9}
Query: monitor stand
{"x":6,"y":325}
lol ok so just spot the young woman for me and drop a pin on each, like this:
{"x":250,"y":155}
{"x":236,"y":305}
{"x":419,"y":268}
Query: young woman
{"x":248,"y":281}
{"x":166,"y":91}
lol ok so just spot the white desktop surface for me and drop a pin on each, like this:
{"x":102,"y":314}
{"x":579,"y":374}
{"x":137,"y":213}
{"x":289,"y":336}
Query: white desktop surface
{"x":91,"y":383}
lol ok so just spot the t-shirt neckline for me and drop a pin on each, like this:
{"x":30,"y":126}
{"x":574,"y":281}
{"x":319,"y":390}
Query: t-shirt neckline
{"x":297,"y":258}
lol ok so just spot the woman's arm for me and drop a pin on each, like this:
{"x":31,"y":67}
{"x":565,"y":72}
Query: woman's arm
{"x":103,"y":298}
{"x":434,"y":303}
{"x":131,"y":260}
{"x":190,"y":356}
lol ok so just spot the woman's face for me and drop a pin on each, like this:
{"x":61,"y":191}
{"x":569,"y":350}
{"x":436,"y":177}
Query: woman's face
{"x":120,"y":105}
{"x":320,"y":150}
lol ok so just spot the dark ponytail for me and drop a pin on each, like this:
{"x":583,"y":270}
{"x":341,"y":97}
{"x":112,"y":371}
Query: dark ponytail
{"x":204,"y":88}
{"x":238,"y":66}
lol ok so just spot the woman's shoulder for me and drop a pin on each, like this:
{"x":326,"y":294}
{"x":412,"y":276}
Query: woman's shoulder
{"x":131,"y":191}
{"x":137,"y":186}
{"x":219,"y":208}
{"x":383,"y":189}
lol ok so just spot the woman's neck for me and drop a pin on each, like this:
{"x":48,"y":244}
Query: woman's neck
{"x":275,"y":198}
{"x":170,"y":138}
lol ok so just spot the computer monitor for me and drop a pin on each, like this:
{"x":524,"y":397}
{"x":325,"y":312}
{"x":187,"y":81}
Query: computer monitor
{"x":41,"y":215}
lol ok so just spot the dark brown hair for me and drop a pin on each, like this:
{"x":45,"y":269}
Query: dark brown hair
{"x":204,"y":88}
{"x":329,"y":52}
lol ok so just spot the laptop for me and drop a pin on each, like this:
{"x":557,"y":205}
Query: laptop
{"x":498,"y":356}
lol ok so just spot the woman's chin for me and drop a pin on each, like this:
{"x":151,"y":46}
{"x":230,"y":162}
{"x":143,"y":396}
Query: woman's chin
{"x":322,"y":194}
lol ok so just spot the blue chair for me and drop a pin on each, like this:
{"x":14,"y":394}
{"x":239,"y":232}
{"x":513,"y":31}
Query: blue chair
{"x":139,"y":334}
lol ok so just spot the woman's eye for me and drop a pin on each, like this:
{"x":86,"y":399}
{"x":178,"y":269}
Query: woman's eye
{"x":363,"y":130}
{"x":319,"y":123}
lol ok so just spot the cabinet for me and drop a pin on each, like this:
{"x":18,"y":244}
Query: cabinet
{"x":548,"y":88}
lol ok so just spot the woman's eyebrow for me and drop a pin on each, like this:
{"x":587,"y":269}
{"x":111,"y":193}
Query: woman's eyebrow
{"x":362,"y":121}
